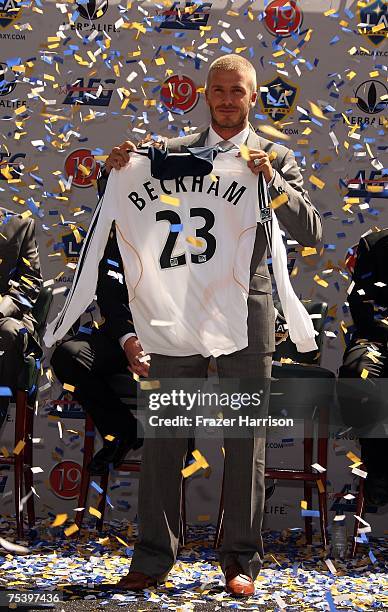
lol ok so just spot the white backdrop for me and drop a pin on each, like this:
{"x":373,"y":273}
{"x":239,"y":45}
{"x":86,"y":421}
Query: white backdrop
{"x":78,"y":78}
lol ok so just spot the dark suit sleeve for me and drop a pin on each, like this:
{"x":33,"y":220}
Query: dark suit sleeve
{"x":362,"y":304}
{"x":26,"y":279}
{"x":298,"y":215}
{"x":112,"y":294}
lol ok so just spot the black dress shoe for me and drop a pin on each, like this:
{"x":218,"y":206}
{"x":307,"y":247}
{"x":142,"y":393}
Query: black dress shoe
{"x":112,"y":454}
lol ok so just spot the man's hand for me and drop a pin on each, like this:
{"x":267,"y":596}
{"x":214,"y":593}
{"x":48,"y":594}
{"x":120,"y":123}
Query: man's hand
{"x":134,"y":352}
{"x":263,"y":166}
{"x":119,"y":156}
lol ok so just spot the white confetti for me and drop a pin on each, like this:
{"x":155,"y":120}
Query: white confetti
{"x":36,"y":470}
{"x":330,"y":565}
{"x":360,"y":473}
{"x":161,"y":323}
{"x":318,"y":467}
{"x":131,"y":77}
{"x":11,"y":547}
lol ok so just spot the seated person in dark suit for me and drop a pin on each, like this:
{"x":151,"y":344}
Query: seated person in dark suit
{"x":87,"y":360}
{"x":368,"y":351}
{"x":20,"y":283}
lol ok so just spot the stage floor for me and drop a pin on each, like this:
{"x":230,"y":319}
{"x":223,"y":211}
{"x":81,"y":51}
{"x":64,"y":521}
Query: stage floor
{"x":294,"y":577}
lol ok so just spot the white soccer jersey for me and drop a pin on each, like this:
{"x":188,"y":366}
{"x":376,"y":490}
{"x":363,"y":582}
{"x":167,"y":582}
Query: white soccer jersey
{"x":186,"y":246}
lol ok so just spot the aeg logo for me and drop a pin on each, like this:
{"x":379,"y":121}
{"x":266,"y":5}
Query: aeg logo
{"x":96,"y":93}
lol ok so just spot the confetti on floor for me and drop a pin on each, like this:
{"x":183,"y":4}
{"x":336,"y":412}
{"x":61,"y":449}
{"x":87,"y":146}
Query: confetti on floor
{"x":294,"y":576}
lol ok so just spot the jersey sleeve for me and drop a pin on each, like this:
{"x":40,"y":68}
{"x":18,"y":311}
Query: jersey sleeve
{"x":84,"y":284}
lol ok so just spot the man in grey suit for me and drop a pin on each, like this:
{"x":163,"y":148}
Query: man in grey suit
{"x":20,"y":282}
{"x":230,"y":94}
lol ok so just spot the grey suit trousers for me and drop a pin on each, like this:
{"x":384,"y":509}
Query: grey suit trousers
{"x":156,"y":548}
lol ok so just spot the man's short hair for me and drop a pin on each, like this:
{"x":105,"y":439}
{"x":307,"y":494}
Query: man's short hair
{"x":232,"y":61}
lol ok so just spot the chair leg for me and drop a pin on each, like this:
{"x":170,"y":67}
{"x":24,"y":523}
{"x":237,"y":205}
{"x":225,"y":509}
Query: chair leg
{"x":322,"y":500}
{"x":220,"y":520}
{"x":85,"y":476}
{"x":102,"y":501}
{"x":28,"y":459}
{"x":308,"y":495}
{"x":359,"y":512}
{"x":322,"y":497}
{"x":182,"y":520}
{"x":20,"y":428}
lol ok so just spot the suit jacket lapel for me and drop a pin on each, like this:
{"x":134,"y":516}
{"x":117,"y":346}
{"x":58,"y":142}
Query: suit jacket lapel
{"x":200,"y":139}
{"x":253,"y":140}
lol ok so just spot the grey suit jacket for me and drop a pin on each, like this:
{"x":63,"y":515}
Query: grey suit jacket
{"x":20,"y":282}
{"x":298,"y":216}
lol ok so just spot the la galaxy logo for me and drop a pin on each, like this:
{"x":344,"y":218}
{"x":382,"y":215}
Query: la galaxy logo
{"x":373,"y":21}
{"x":10,"y":11}
{"x":185,"y":16}
{"x":278,"y":98}
{"x":70,"y":247}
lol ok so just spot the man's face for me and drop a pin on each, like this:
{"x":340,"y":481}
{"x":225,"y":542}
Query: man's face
{"x":230,"y":98}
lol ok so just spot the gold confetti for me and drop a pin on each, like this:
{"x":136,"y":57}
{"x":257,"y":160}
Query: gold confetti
{"x":279,"y":200}
{"x":110,"y":438}
{"x":276,"y":561}
{"x":148,"y":385}
{"x":68,"y":387}
{"x":195,"y":241}
{"x":122,"y":541}
{"x":200,"y":462}
{"x":70,"y":530}
{"x":306,"y":251}
{"x":270,"y":130}
{"x":353,"y":457}
{"x":320,"y":281}
{"x":364,"y":373}
{"x":22,"y":109}
{"x":303,"y":504}
{"x":320,"y":486}
{"x":59,"y":520}
{"x":316,"y":110}
{"x":19,"y":447}
{"x":166,"y":199}
{"x":25,"y":214}
{"x":316,"y":181}
{"x":94,"y":512}
{"x":244,"y":150}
